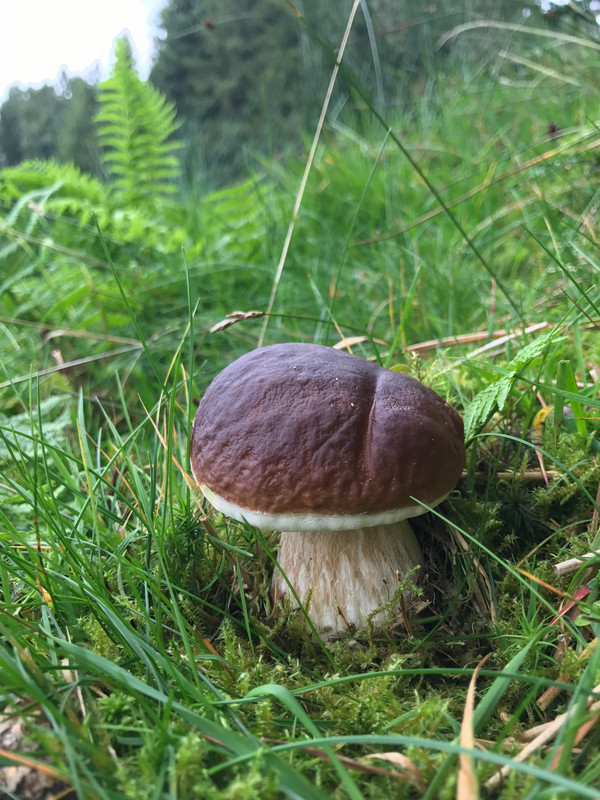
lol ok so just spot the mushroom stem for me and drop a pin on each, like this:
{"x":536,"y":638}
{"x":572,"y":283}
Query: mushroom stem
{"x":350,"y":573}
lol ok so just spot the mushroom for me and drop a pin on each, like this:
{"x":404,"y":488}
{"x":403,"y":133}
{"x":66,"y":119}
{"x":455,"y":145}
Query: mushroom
{"x":336,"y":452}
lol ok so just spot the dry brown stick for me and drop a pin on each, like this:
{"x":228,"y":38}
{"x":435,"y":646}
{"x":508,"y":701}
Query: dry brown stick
{"x":497,"y":337}
{"x":527,"y":475}
{"x":571,"y":565}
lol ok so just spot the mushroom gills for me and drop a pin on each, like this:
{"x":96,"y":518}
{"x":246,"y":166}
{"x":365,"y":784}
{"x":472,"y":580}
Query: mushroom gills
{"x":349,"y":573}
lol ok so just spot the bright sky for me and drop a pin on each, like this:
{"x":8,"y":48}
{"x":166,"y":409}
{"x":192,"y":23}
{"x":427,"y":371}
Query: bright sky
{"x":38,"y":37}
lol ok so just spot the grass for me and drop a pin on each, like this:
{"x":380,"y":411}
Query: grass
{"x":140,"y":645}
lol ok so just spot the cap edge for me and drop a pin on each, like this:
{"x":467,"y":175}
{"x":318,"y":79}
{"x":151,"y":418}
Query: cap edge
{"x":307,"y":523}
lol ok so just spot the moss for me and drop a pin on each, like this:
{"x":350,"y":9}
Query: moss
{"x":100,"y":641}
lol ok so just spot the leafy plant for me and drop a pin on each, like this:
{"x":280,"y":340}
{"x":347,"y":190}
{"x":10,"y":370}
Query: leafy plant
{"x":136,"y":124}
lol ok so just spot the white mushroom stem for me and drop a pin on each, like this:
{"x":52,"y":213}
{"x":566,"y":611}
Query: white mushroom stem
{"x":349,"y":574}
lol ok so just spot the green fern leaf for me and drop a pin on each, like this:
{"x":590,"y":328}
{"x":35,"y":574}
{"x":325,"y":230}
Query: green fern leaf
{"x":136,"y":125}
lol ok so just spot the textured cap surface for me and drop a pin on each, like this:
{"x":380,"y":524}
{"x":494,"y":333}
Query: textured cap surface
{"x":302,"y":429}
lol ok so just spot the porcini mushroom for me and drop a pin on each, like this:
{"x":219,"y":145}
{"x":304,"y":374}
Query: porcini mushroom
{"x":335,"y":452}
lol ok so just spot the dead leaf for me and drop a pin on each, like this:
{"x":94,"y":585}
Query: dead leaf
{"x":234,"y":317}
{"x":413,"y":773}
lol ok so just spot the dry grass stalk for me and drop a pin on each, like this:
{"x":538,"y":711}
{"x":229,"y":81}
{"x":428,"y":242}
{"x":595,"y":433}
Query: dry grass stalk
{"x":544,"y":734}
{"x":467,"y":787}
{"x":481,"y":587}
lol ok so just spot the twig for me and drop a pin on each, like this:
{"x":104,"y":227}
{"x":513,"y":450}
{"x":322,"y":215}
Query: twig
{"x":571,"y":565}
{"x":498,"y":337}
{"x":527,"y":475}
{"x":547,"y":732}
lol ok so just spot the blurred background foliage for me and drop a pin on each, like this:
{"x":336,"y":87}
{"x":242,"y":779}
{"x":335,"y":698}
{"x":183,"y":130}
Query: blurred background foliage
{"x":247,"y":80}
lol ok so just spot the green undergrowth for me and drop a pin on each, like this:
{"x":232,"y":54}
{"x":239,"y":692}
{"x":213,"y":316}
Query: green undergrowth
{"x":141,"y":640}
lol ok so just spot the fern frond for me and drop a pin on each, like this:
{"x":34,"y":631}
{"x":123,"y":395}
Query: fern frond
{"x":136,"y":123}
{"x":35,"y":188}
{"x":76,"y":187}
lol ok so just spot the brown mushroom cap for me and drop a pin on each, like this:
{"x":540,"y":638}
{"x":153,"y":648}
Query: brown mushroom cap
{"x":305,"y":437}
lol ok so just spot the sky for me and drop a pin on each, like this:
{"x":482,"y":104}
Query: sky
{"x":39,"y":37}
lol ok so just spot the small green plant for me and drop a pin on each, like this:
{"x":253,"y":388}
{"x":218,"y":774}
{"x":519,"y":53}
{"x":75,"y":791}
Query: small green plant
{"x":136,"y":126}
